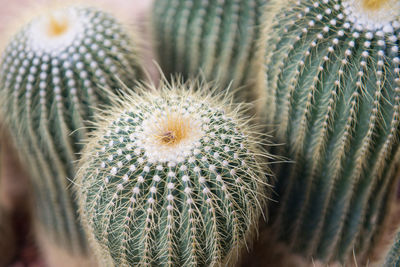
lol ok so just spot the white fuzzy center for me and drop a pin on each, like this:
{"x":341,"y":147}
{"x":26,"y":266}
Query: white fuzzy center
{"x":56,"y":31}
{"x":379,"y":15}
{"x":159,"y":137}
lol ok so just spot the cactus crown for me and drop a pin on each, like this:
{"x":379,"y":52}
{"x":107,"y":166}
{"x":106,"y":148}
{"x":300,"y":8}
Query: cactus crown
{"x":173,"y":130}
{"x":168,"y":134}
{"x":374,"y":4}
{"x":171,"y":178}
{"x":57,"y":30}
{"x":57,"y":25}
{"x":372,"y":15}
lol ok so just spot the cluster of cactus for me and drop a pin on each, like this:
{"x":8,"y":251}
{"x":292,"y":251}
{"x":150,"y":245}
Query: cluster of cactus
{"x":217,"y":39}
{"x":173,"y":175}
{"x":170,"y":178}
{"x":54,"y":73}
{"x":333,"y":92}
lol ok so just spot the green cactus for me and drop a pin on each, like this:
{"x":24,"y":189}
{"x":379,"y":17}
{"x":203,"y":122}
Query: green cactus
{"x":53,"y":75}
{"x":393,"y":257}
{"x":215,"y":38}
{"x":170,"y":178}
{"x":333,"y":92}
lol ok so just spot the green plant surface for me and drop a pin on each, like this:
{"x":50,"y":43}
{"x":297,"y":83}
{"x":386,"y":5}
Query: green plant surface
{"x":217,"y":39}
{"x":53,"y":77}
{"x":172,"y":177}
{"x":333,"y":92}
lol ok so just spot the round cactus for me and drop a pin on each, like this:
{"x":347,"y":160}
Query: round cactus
{"x":55,"y":71}
{"x":215,"y":38}
{"x":333,"y":92}
{"x":170,"y":178}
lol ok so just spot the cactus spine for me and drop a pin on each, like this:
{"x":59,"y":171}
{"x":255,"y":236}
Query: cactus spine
{"x":170,"y":178}
{"x":215,"y":38}
{"x":53,"y":74}
{"x":333,"y":93}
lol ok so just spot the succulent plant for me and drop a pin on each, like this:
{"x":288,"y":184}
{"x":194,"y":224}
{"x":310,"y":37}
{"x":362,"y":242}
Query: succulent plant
{"x":54,"y":73}
{"x":215,"y":38}
{"x":171,"y":177}
{"x":333,"y":92}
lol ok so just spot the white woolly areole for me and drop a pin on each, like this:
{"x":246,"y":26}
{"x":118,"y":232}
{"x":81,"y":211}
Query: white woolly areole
{"x":38,"y":32}
{"x":155,"y":126}
{"x":386,"y":18}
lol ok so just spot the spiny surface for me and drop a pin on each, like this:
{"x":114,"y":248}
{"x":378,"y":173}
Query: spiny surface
{"x":53,"y":74}
{"x":215,"y":38}
{"x":333,"y":91}
{"x":171,"y":178}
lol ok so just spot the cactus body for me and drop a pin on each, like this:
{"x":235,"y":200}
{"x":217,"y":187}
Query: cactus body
{"x":53,"y":74}
{"x":393,"y":257}
{"x":170,"y":179}
{"x":215,"y":38}
{"x":333,"y":93}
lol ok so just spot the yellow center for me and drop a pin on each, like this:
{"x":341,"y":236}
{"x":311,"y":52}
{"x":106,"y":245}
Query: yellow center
{"x":173,"y":130}
{"x":374,"y":5}
{"x":57,"y":26}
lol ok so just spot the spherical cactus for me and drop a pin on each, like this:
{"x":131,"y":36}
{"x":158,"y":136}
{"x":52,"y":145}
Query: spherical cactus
{"x":53,"y":75}
{"x":333,"y":92}
{"x":170,"y":178}
{"x":215,"y":38}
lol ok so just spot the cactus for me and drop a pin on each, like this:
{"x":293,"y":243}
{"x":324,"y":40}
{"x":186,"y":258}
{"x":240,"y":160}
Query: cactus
{"x":170,"y":178}
{"x":393,"y":255}
{"x":215,"y":38}
{"x":53,"y":74}
{"x":333,"y":92}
